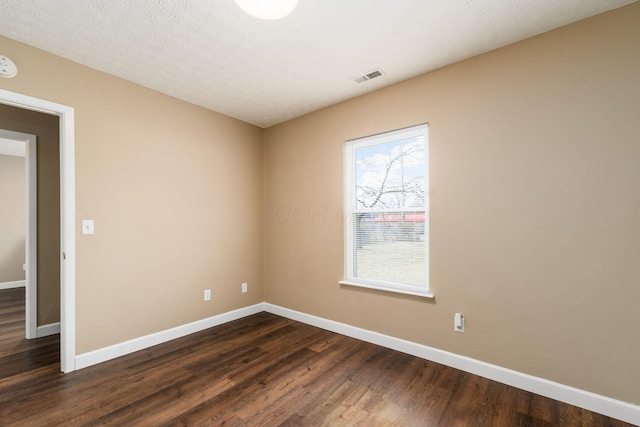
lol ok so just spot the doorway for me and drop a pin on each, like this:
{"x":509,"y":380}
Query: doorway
{"x":67,"y":215}
{"x":24,"y":145}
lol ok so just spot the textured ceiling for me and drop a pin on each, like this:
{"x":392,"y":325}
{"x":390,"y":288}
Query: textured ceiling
{"x":210,"y":53}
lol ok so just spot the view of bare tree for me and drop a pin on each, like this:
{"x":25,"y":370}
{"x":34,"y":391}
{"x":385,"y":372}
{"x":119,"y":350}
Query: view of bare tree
{"x":388,"y":201}
{"x":393,"y":188}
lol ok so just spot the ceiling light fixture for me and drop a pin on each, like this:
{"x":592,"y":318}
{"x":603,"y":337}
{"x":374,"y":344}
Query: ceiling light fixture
{"x":267,"y":9}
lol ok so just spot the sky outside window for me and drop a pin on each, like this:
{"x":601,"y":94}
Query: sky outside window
{"x":390,"y":175}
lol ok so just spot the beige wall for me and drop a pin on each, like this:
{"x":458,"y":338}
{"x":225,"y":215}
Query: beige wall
{"x":175,"y":191}
{"x":45,"y":128}
{"x":534,"y":170}
{"x":12,"y":218}
{"x":535,"y":200}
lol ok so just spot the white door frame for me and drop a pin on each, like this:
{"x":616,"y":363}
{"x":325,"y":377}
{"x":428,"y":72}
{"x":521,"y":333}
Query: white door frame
{"x":67,"y":217}
{"x":31,"y":239}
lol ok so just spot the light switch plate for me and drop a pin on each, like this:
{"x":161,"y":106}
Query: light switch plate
{"x":87,"y":226}
{"x":458,"y":323}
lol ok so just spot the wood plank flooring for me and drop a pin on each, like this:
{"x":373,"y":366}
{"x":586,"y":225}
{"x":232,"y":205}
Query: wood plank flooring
{"x":262,"y":370}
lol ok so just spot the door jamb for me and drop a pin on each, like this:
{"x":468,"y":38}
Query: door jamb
{"x":31,"y":232}
{"x":67,"y":216}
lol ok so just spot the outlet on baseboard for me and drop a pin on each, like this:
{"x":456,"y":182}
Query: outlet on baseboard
{"x":244,"y":288}
{"x":207,"y":294}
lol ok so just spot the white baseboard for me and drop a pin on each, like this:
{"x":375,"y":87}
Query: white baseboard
{"x":624,"y":411}
{"x":121,"y":349}
{"x":46,"y":330}
{"x":11,"y":285}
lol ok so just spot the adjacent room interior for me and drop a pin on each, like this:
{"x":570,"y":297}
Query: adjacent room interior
{"x":214,"y":201}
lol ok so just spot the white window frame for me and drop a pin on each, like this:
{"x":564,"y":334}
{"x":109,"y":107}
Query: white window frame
{"x":350,"y":208}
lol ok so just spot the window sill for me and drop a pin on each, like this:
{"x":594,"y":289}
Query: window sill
{"x":427,"y":295}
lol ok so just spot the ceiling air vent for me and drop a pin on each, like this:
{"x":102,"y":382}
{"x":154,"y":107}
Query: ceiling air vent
{"x":368,"y":76}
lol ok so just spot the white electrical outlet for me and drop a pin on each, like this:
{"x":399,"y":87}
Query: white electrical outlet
{"x":244,"y":288}
{"x":458,"y":323}
{"x":207,"y":294}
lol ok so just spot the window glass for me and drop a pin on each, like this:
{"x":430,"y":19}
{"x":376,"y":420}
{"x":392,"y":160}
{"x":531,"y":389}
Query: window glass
{"x":387,"y":210}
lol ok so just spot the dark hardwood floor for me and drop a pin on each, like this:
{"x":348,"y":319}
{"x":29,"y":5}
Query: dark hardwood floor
{"x":263,"y":370}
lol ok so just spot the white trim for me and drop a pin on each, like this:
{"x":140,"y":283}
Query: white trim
{"x":11,"y":285}
{"x":67,"y":240}
{"x":46,"y":330}
{"x":29,"y":143}
{"x":107,"y":353}
{"x":31,"y":238}
{"x":624,"y":411}
{"x":67,"y":216}
{"x":386,"y":289}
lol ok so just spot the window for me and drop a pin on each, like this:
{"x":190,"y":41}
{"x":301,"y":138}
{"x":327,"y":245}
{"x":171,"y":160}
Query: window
{"x":387,"y":211}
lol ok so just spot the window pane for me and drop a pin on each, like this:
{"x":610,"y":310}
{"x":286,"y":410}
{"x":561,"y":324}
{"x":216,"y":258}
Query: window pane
{"x":390,"y":175}
{"x":390,"y":247}
{"x":387,"y":207}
